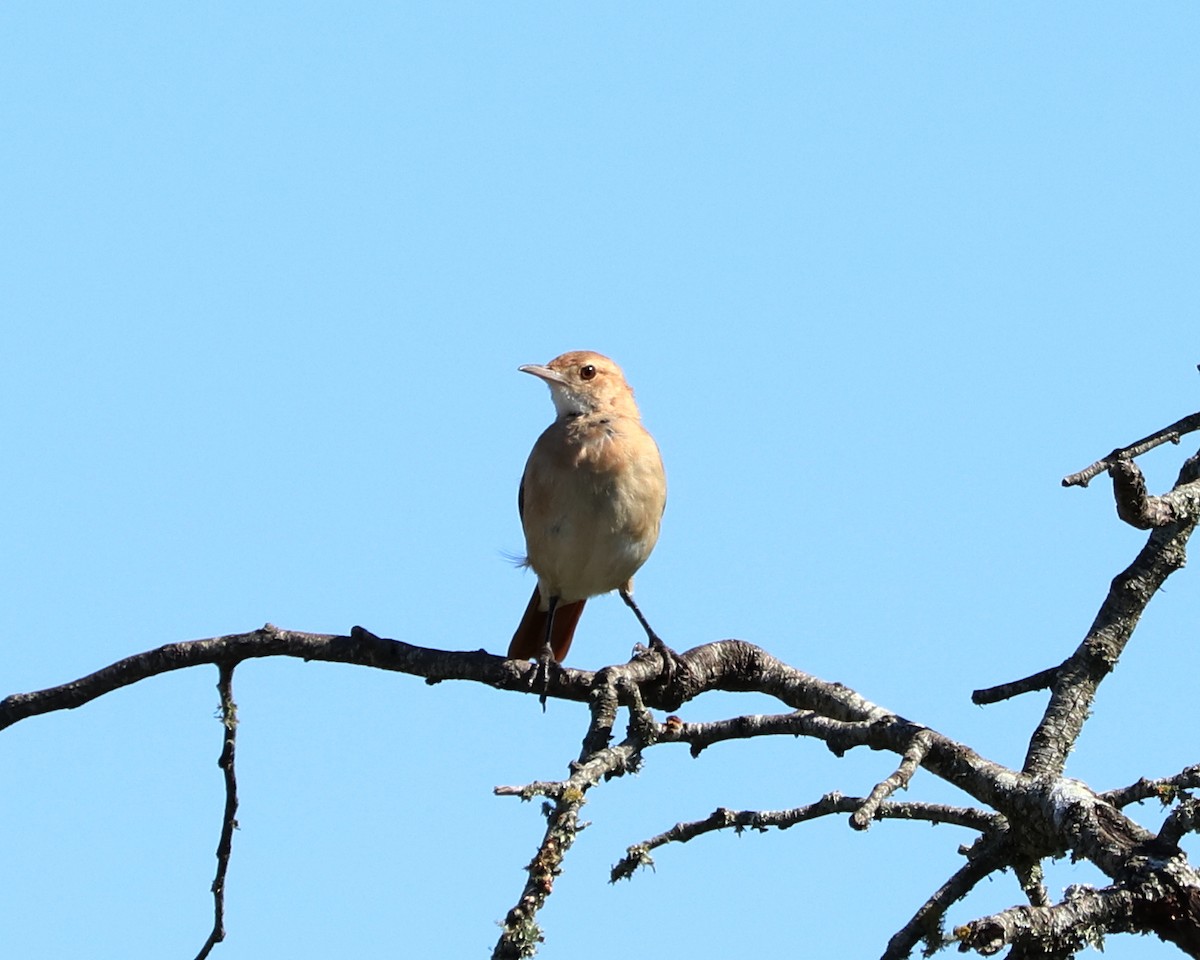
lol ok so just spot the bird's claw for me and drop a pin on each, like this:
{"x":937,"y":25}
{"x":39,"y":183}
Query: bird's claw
{"x":541,"y":676}
{"x":674,"y":667}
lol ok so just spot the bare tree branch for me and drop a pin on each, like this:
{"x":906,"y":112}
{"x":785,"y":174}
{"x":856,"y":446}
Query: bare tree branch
{"x":361,"y":647}
{"x":1076,"y":681}
{"x":723,"y":818}
{"x":921,"y":742}
{"x":520,"y":932}
{"x":1032,"y":879}
{"x":1082,"y":919}
{"x":1185,"y":818}
{"x":1014,"y":688}
{"x":229,"y":723}
{"x":926,"y":923}
{"x":1137,"y":508}
{"x":1163,"y":789}
{"x":1169,"y":434}
{"x":1129,"y":595}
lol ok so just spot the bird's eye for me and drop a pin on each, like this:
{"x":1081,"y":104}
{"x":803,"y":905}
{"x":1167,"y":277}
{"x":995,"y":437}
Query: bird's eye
{"x":587,"y":371}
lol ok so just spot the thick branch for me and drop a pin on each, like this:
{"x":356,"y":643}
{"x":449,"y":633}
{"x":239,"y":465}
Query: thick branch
{"x":1059,"y":930}
{"x":1156,"y":897}
{"x":1137,"y":508}
{"x":361,"y":648}
{"x":1077,"y":679}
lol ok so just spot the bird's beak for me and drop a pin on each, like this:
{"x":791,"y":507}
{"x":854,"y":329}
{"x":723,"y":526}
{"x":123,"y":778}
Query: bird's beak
{"x":545,"y":373}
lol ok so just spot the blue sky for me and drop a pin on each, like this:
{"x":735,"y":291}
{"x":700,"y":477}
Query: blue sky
{"x":880,"y":273}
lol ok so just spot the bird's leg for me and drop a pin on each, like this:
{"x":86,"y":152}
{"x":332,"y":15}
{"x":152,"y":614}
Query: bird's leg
{"x":546,"y":656}
{"x":650,"y":634}
{"x":671,"y":660}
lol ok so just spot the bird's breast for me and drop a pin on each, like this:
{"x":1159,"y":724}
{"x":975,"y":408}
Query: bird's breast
{"x":593,"y":499}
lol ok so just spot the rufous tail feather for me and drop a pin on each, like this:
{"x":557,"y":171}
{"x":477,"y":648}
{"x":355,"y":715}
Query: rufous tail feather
{"x":531,"y":634}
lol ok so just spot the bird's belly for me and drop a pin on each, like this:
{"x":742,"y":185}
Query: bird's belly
{"x":598,"y":565}
{"x":594,"y":542}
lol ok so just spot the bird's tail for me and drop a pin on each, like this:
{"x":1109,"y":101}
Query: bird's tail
{"x":531,"y":633}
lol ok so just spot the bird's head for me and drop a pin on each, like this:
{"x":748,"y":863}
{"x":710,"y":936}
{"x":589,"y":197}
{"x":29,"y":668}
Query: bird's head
{"x":585,"y":382}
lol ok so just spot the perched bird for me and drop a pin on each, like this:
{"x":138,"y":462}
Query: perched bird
{"x":591,"y":501}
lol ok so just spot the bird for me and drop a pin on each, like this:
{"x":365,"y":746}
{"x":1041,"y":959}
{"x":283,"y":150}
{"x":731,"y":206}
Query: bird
{"x":591,"y":501}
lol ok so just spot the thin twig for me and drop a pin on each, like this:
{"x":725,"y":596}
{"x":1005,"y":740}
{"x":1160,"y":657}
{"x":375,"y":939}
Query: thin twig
{"x":1163,"y":788}
{"x":1169,"y":434}
{"x":1014,"y":688}
{"x":229,"y":724}
{"x":916,"y":752}
{"x":723,"y":818}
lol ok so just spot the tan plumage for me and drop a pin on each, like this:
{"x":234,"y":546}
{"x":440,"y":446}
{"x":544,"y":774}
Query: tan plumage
{"x":591,"y":498}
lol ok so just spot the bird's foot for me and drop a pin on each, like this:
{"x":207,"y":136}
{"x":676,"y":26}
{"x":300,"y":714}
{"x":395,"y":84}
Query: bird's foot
{"x":674,"y":667}
{"x":541,"y":675}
